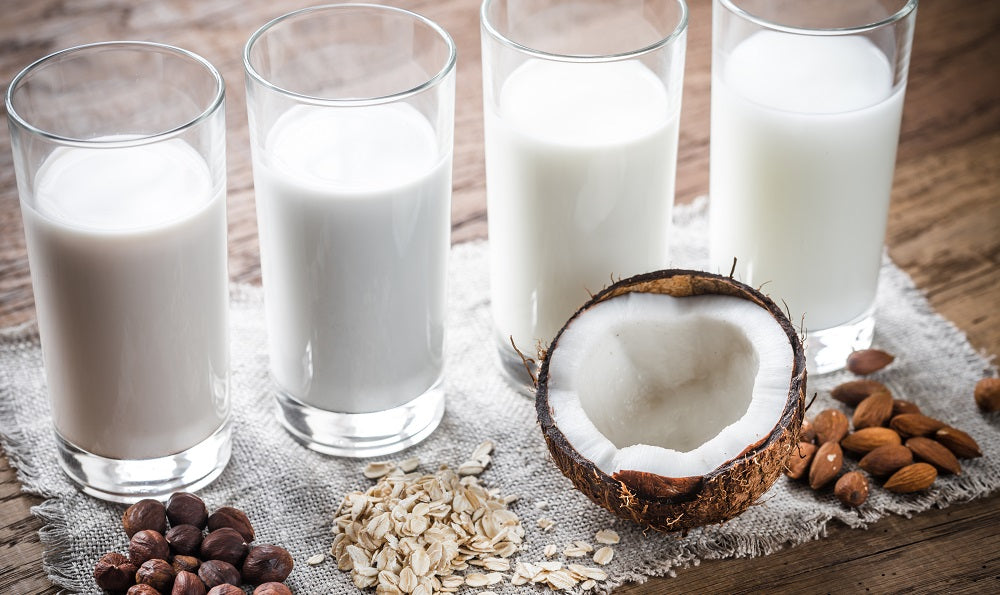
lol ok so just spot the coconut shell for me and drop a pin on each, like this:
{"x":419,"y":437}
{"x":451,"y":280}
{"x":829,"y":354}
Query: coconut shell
{"x":679,"y":504}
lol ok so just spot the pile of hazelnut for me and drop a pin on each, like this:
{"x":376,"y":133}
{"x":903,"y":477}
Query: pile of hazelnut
{"x":184,"y":560}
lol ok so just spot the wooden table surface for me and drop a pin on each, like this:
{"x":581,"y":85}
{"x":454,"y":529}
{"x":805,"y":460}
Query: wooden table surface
{"x":944,"y":230}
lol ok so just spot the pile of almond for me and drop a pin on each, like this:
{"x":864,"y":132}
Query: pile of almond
{"x":894,"y":441}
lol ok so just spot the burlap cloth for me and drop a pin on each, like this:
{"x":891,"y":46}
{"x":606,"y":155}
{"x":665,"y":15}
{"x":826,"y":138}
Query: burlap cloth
{"x":291,"y":493}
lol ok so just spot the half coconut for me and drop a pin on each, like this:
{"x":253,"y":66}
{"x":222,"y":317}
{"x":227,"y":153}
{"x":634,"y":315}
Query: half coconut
{"x":673,"y":398}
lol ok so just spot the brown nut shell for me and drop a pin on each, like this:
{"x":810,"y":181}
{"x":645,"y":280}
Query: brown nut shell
{"x":935,"y":453}
{"x":826,"y":464}
{"x":272,"y":589}
{"x":185,"y":508}
{"x":915,"y":424}
{"x":852,"y":489}
{"x":157,"y":574}
{"x":830,"y":425}
{"x":266,"y":564}
{"x":868,"y":439}
{"x":224,"y":544}
{"x":216,"y":572}
{"x":912,"y":478}
{"x":145,"y":514}
{"x":226,"y":589}
{"x":147,"y":545}
{"x":233,"y":518}
{"x":187,"y":583}
{"x":188,"y":563}
{"x":873,"y":412}
{"x":886,"y":460}
{"x":184,"y":540}
{"x":958,"y":442}
{"x":114,"y":572}
{"x":142,"y":589}
{"x":868,"y":361}
{"x":987,"y":394}
{"x":853,"y":392}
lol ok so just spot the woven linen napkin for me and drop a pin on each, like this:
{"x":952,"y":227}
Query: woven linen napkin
{"x":291,"y":493}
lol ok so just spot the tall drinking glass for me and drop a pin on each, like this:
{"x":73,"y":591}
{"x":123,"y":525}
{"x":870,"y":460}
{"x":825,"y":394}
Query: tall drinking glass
{"x":119,"y":151}
{"x":351,"y":118}
{"x":807,"y":97}
{"x":581,"y":106}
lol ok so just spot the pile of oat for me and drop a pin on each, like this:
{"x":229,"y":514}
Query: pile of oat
{"x":436,"y":533}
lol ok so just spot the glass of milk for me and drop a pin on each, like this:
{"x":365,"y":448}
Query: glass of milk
{"x":581,"y":101}
{"x":119,"y":153}
{"x":351,"y":113}
{"x":807,"y":97}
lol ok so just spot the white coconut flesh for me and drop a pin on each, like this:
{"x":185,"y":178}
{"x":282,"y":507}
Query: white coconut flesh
{"x":671,"y":386}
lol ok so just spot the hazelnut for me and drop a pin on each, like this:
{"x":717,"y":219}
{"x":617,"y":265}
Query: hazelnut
{"x":216,"y":572}
{"x":157,"y":574}
{"x":184,"y":539}
{"x":187,"y":583}
{"x":142,"y":590}
{"x":226,"y":589}
{"x":272,"y":589}
{"x":188,"y":563}
{"x":114,"y":572}
{"x":267,"y":563}
{"x":145,"y":514}
{"x":224,"y":544}
{"x":234,"y":518}
{"x":184,"y":508}
{"x":147,"y":545}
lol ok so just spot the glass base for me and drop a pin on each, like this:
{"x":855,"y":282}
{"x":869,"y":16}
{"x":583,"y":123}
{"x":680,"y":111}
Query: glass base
{"x":515,"y":370}
{"x":128,"y":481}
{"x":360,"y":435}
{"x":827,"y":349}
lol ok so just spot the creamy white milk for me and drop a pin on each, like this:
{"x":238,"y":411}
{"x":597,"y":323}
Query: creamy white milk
{"x":580,"y":186}
{"x":804,"y":135}
{"x":127,"y":249}
{"x":353,"y":206}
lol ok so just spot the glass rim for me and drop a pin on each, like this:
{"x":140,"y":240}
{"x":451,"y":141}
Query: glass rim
{"x":902,"y":13}
{"x":677,"y":31}
{"x":440,"y":75}
{"x":218,"y":98}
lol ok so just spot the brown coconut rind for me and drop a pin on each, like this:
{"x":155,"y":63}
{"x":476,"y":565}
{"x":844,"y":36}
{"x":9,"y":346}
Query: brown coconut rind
{"x":679,"y":504}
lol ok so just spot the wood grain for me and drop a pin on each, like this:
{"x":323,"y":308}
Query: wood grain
{"x":944,"y":230}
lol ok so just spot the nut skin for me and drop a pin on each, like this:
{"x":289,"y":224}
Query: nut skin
{"x":958,"y":442}
{"x":184,"y":539}
{"x":226,"y":589}
{"x":157,"y":574}
{"x":141,"y":589}
{"x":987,"y":394}
{"x":145,"y":514}
{"x":272,"y":589}
{"x":874,"y":411}
{"x":233,"y":518}
{"x":826,"y":464}
{"x":886,"y":460}
{"x":915,"y":424}
{"x":114,"y":572}
{"x":266,"y":564}
{"x":901,"y":406}
{"x":799,"y":459}
{"x":147,"y":545}
{"x":912,"y":478}
{"x":184,"y":508}
{"x":852,"y":489}
{"x":866,"y":440}
{"x":187,"y":583}
{"x":853,"y":392}
{"x":830,"y":425}
{"x":932,"y":452}
{"x":224,"y":544}
{"x":868,"y":361}
{"x":216,"y":572}
{"x":188,"y":563}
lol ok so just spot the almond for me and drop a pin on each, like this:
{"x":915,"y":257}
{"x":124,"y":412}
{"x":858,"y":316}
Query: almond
{"x":987,"y":394}
{"x":868,"y":439}
{"x":886,"y":460}
{"x":934,"y":453}
{"x":915,"y":424}
{"x":874,"y":411}
{"x":799,"y":459}
{"x":852,"y":489}
{"x":958,"y":442}
{"x":901,"y":406}
{"x":807,"y":433}
{"x":853,"y":392}
{"x":826,"y":465}
{"x":912,"y":478}
{"x":830,"y":425}
{"x":868,"y":361}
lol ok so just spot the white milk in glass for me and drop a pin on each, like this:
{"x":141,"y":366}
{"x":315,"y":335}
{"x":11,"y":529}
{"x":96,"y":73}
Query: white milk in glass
{"x":353,"y":206}
{"x":580,"y":170}
{"x":804,"y":135}
{"x":128,"y":260}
